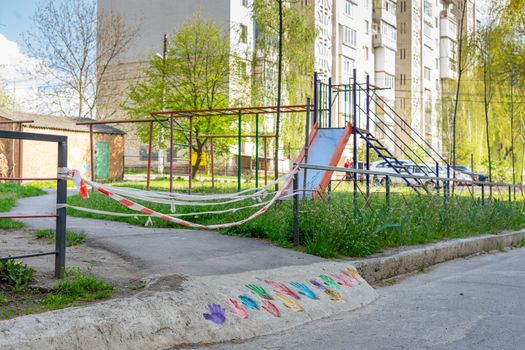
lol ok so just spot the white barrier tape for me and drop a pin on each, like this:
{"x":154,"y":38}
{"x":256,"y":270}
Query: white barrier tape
{"x":144,"y":210}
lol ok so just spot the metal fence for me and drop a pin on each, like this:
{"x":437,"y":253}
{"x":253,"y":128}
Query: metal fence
{"x":60,"y":214}
{"x":445,"y":187}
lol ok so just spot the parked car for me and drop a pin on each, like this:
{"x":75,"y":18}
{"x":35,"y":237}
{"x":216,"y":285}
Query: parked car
{"x":386,"y":167}
{"x":466,"y":170}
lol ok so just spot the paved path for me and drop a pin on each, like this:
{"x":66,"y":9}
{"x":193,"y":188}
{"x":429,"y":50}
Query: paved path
{"x":478,"y":303}
{"x":170,"y":251}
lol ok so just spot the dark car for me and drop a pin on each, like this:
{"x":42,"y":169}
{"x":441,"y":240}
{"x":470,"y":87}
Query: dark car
{"x":466,"y":170}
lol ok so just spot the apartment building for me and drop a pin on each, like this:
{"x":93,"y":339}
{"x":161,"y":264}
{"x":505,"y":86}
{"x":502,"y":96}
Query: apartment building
{"x":156,"y":17}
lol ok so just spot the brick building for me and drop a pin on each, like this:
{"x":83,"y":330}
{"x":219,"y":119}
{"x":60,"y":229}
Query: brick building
{"x":39,"y":159}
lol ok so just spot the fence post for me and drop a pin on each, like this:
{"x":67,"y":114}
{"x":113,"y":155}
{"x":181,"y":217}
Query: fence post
{"x":387,"y":192}
{"x":354,"y":132}
{"x":60,"y":241}
{"x":510,"y":197}
{"x":437,"y":181}
{"x":296,"y":233}
{"x":482,"y":194}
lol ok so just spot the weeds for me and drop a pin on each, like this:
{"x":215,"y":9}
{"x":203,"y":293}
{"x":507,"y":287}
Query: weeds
{"x":15,"y":274}
{"x":72,"y":238}
{"x":76,"y":286}
{"x":3,"y":299}
{"x":333,"y":227}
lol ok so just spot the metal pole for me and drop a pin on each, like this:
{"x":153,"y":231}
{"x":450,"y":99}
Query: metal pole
{"x":316,"y":103}
{"x":148,"y":171}
{"x":354,"y":131}
{"x":296,"y":233}
{"x":306,"y":145}
{"x":510,"y":194}
{"x":256,"y":150}
{"x":482,"y":194}
{"x":20,"y":158}
{"x":92,"y":153}
{"x":60,"y":241}
{"x":437,"y":181}
{"x":387,"y":192}
{"x":368,"y":130}
{"x":211,"y":165}
{"x":171,"y":152}
{"x":265,"y":162}
{"x":190,"y":177}
{"x":472,"y":168}
{"x":321,"y":104}
{"x":330,"y":102}
{"x":239,"y":156}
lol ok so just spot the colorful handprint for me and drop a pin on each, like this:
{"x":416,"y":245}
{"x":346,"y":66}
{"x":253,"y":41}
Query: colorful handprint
{"x":260,"y":291}
{"x":289,"y":303}
{"x":333,"y":295}
{"x":271,"y":308}
{"x":350,"y":277}
{"x":216,"y":314}
{"x":304,"y":290}
{"x":249,"y":302}
{"x":354,"y":273}
{"x":342,"y":280}
{"x":281,"y":288}
{"x":237,"y":308}
{"x":329,"y":282}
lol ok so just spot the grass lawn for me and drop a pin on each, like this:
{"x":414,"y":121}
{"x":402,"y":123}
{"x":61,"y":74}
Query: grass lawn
{"x":333,"y":227}
{"x":163,"y":184}
{"x":72,"y":238}
{"x":9,"y":193}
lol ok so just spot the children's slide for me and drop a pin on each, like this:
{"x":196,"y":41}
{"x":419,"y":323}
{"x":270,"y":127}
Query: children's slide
{"x":326,"y":147}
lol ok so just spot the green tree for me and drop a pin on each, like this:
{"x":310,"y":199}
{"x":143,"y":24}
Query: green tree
{"x":195,"y":75}
{"x":6,"y":101}
{"x":296,"y":29}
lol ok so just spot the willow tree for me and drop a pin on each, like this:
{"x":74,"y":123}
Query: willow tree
{"x":194,"y":75}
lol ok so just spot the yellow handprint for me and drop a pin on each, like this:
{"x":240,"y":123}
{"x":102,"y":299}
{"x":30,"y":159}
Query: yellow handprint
{"x":289,"y":303}
{"x":334,"y":296}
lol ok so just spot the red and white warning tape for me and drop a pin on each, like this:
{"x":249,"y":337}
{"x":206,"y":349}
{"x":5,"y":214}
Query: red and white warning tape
{"x":81,"y":185}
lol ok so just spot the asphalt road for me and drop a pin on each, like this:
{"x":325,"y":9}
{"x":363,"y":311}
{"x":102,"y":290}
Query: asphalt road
{"x":476,"y":303}
{"x":168,"y":250}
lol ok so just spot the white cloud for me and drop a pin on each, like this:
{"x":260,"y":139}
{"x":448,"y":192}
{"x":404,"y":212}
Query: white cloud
{"x":17,"y":73}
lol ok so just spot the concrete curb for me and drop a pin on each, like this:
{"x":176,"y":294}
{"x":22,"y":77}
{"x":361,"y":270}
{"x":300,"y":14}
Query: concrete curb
{"x":168,"y":319}
{"x":399,"y":263}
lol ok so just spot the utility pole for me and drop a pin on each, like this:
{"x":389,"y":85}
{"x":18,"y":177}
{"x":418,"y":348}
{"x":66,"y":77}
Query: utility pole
{"x":279,"y":92}
{"x":512,"y":128}
{"x":160,"y":160}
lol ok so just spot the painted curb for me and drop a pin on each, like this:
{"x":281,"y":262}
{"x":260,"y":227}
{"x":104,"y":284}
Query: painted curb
{"x":168,"y":319}
{"x":399,"y":263}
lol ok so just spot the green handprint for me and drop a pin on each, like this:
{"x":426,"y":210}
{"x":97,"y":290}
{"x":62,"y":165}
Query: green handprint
{"x":260,"y":291}
{"x":329,"y":282}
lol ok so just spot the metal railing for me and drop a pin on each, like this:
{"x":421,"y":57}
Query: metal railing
{"x":60,"y":214}
{"x":439,"y":183}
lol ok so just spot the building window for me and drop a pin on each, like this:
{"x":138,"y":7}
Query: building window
{"x":403,"y":28}
{"x":428,"y":29}
{"x":389,"y":81}
{"x":365,"y":49}
{"x":388,"y":31}
{"x":350,"y":37}
{"x":244,"y":33}
{"x":427,"y":8}
{"x":349,"y":8}
{"x":427,"y":73}
{"x":367,"y":27}
{"x":403,"y":53}
{"x":348,"y":65}
{"x":244,"y":3}
{"x":437,"y":63}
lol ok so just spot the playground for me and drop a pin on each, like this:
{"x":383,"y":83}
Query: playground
{"x":257,"y":241}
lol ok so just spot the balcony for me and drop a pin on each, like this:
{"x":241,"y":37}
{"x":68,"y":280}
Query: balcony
{"x":447,"y":68}
{"x":384,"y":11}
{"x":447,"y":28}
{"x":380,"y":40}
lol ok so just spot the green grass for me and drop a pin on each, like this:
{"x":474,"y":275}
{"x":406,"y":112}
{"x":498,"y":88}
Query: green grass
{"x":47,"y":184}
{"x":333,"y":227}
{"x":163,"y":184}
{"x":9,"y":193}
{"x":3,"y":299}
{"x":76,"y":286}
{"x":72,"y":238}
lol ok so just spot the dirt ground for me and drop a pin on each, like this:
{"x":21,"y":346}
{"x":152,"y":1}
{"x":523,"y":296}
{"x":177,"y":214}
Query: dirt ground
{"x":127,"y":278}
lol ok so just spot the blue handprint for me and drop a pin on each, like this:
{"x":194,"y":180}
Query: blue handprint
{"x":216,"y":314}
{"x":249,"y":302}
{"x":304,"y":290}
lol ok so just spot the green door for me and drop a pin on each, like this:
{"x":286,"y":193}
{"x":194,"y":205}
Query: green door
{"x":102,"y":160}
